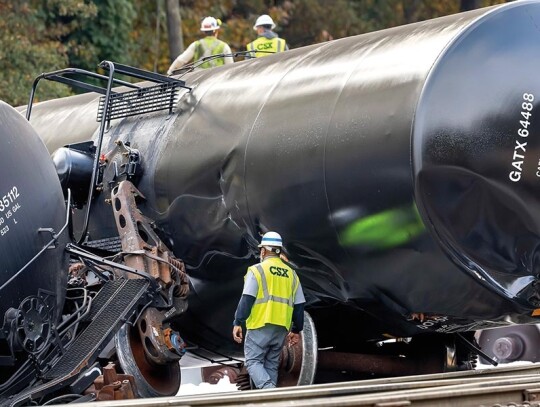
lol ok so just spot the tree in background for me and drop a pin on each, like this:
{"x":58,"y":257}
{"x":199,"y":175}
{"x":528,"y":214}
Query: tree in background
{"x":380,"y":14}
{"x":30,"y":44}
{"x":149,"y":36}
{"x":44,"y":35}
{"x":174,"y":29}
{"x":103,"y":35}
{"x":303,"y":21}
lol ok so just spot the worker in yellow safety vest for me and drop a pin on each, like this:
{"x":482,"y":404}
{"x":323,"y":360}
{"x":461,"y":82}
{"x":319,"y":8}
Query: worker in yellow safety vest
{"x":272,"y":309}
{"x":268,"y":42}
{"x":205,"y":47}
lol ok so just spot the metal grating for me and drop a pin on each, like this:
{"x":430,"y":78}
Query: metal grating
{"x":107,"y":319}
{"x":99,"y":301}
{"x":110,"y":244}
{"x":139,"y":101}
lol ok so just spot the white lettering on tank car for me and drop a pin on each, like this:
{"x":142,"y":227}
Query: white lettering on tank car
{"x":8,"y":206}
{"x":521,"y":147}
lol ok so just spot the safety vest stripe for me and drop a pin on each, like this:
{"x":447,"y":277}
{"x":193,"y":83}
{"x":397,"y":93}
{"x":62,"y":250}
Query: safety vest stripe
{"x":266,"y":297}
{"x":275,"y":299}
{"x":279,"y":299}
{"x":278,"y":45}
{"x":263,"y":283}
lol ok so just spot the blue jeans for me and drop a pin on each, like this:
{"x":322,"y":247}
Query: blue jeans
{"x":262,"y":350}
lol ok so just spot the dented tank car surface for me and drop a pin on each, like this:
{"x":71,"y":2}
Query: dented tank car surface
{"x":400,"y":167}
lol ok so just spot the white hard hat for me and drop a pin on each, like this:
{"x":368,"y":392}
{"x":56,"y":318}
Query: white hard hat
{"x":271,"y":239}
{"x":265,"y":19}
{"x":210,"y":24}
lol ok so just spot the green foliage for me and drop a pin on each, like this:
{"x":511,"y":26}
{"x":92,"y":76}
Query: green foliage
{"x":302,"y":23}
{"x":26,"y":50}
{"x":44,"y":35}
{"x":380,"y":14}
{"x":149,"y":49}
{"x":104,"y":35}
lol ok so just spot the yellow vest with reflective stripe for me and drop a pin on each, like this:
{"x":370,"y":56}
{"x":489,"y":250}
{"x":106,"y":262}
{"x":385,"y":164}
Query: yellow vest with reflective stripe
{"x":268,"y":45}
{"x":214,"y":46}
{"x":274,"y":303}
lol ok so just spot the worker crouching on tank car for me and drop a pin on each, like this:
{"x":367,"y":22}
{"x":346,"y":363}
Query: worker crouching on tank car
{"x":272,"y":308}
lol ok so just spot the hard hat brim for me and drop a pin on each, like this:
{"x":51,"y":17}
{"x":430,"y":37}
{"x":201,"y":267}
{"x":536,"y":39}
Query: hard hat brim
{"x":269,"y":245}
{"x":255,"y":26}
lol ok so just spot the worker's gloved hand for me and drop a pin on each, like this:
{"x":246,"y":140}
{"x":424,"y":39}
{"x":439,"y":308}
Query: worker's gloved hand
{"x":293,"y":338}
{"x":237,"y":333}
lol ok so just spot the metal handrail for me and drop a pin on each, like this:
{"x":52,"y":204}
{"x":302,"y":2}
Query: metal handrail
{"x":57,"y":76}
{"x":95,"y":166}
{"x":112,"y":68}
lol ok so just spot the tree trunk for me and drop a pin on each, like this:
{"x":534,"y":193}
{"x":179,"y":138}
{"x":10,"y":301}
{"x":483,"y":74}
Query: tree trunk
{"x":174,"y":29}
{"x":468,"y":5}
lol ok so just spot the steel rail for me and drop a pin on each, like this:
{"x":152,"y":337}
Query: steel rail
{"x":472,"y":388}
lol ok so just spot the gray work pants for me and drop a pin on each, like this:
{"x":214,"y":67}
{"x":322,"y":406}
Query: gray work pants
{"x":262,"y":350}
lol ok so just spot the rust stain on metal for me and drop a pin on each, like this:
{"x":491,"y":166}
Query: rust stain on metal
{"x":142,"y":248}
{"x":112,"y":385}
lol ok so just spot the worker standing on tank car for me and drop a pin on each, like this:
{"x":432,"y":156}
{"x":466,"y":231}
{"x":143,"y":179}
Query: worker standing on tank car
{"x":205,"y":47}
{"x":268,"y":41}
{"x":272,"y":308}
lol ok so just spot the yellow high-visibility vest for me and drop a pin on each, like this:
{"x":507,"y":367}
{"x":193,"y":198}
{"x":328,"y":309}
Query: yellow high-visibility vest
{"x":268,"y":46}
{"x":214,"y":46}
{"x":274,"y":303}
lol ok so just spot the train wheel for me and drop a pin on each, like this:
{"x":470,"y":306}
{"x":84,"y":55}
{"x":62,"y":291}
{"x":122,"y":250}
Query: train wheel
{"x":299,"y":362}
{"x":151,"y":380}
{"x":511,"y":344}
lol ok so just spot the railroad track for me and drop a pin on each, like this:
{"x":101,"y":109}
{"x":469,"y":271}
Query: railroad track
{"x":507,"y":386}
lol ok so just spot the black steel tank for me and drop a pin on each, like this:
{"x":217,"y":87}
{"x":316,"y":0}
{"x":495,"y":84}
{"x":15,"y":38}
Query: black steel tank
{"x":30,"y":199}
{"x":400,"y":167}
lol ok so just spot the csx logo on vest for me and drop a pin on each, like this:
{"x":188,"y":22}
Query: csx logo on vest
{"x":264,"y":46}
{"x":278,"y":271}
